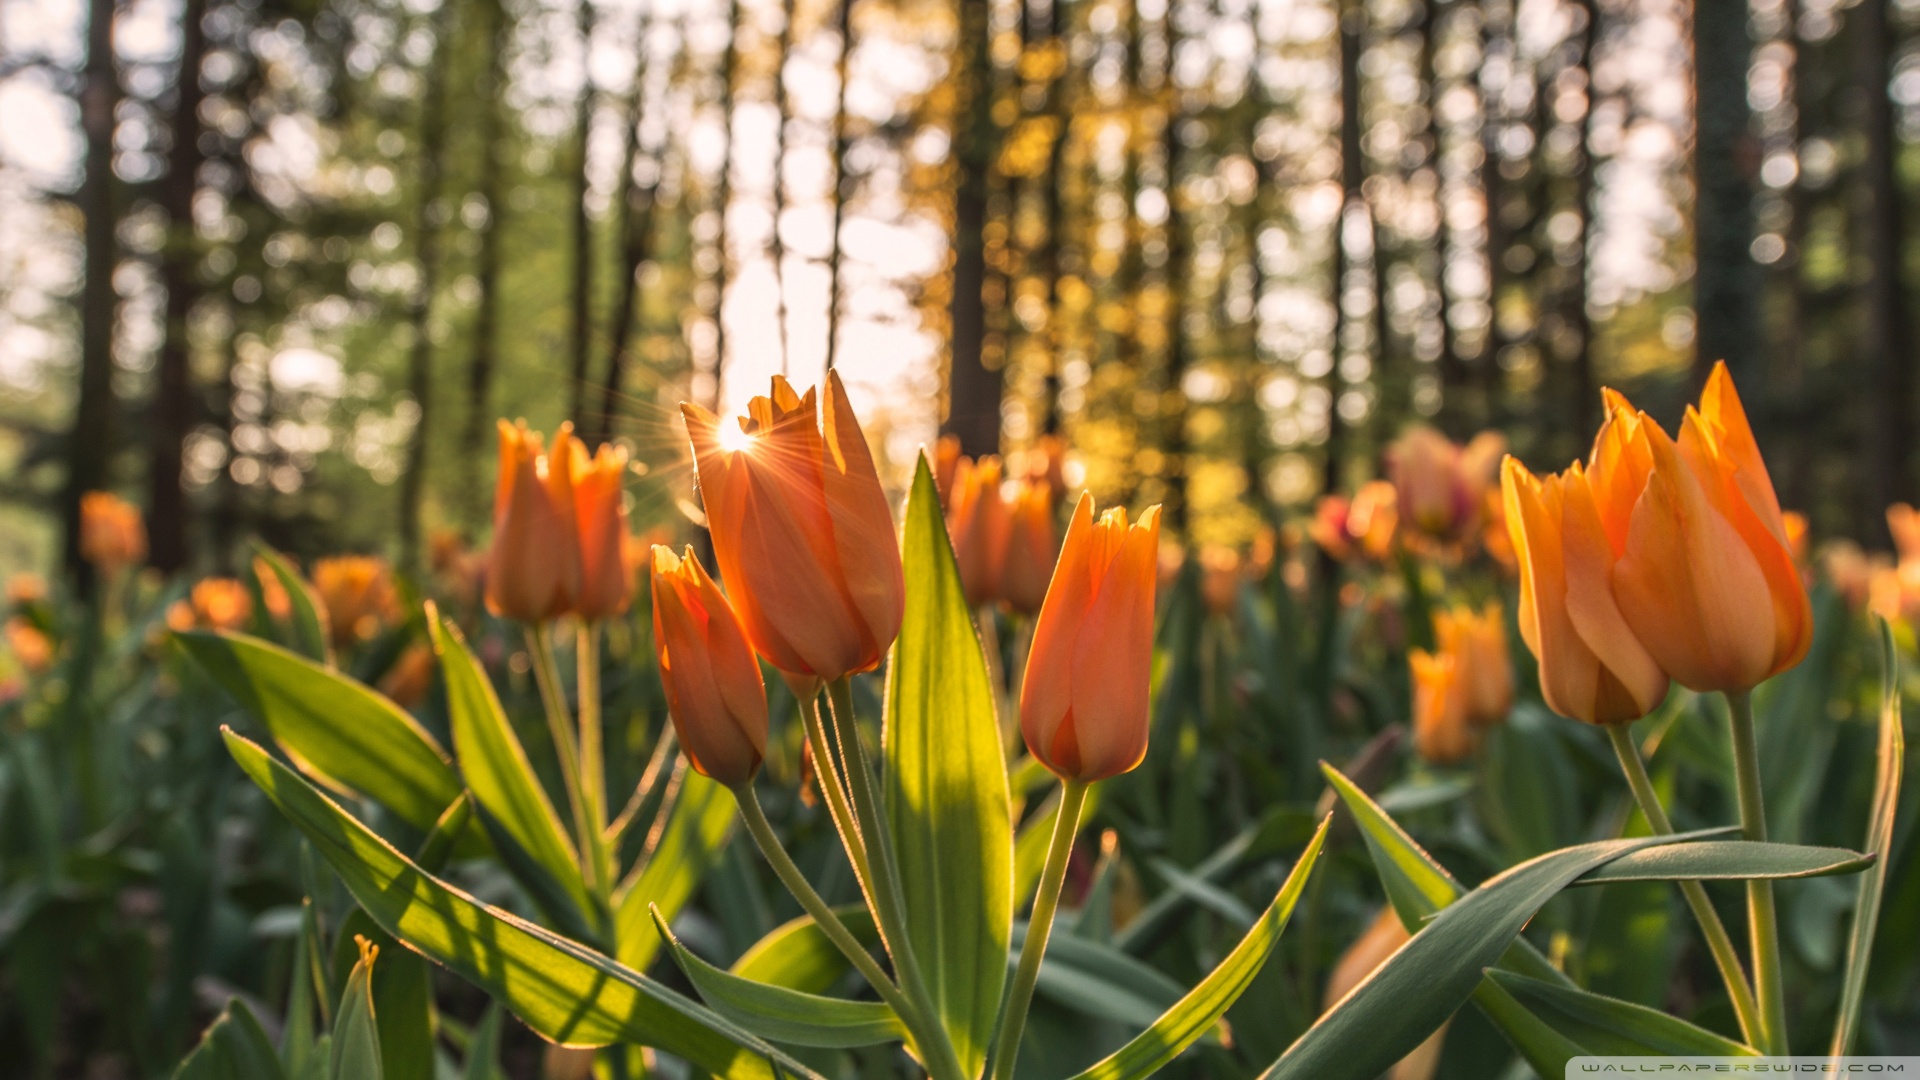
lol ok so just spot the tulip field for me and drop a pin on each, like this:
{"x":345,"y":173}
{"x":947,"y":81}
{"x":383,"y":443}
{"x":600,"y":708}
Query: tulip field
{"x":1468,"y":773}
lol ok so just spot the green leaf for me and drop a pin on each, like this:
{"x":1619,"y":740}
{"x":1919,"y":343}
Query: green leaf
{"x":1545,"y":1049}
{"x":1728,"y":860}
{"x":948,"y":810}
{"x":311,"y":634}
{"x":799,"y":956}
{"x":1196,"y":1013}
{"x":782,"y":1014}
{"x":233,"y":1048}
{"x":496,"y":767}
{"x":356,"y":1036}
{"x":1880,"y":819}
{"x":1099,"y":980}
{"x":483,"y":1047}
{"x":1416,"y":989}
{"x":561,"y":989}
{"x":1604,"y":1025}
{"x":1417,"y":885}
{"x":695,"y":833}
{"x":339,"y":732}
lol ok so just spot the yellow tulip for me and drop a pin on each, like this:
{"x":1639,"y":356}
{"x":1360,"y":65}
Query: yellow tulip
{"x":1083,"y":704}
{"x":533,"y":566}
{"x":714,"y":690}
{"x":802,"y":531}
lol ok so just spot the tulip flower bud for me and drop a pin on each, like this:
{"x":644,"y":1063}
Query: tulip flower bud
{"x":32,"y":649}
{"x":1592,"y":667}
{"x":1032,"y":546}
{"x":213,"y":604}
{"x":1441,"y":732}
{"x":533,"y":567}
{"x":714,"y":690}
{"x":600,"y":522}
{"x":1705,"y":575}
{"x":112,"y":533}
{"x":1903,"y":521}
{"x":1478,"y":643}
{"x":357,"y":593}
{"x":1083,"y":705}
{"x":946,"y":460}
{"x":977,"y":520}
{"x":1425,"y":468}
{"x":802,"y":531}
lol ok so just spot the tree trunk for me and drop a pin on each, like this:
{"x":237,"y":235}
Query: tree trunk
{"x":636,"y":234}
{"x":1585,"y":406}
{"x":841,"y":186}
{"x":91,"y":444}
{"x":433,"y":138}
{"x":1352,"y":17}
{"x":1173,"y":407}
{"x":173,"y":401}
{"x":973,"y":389}
{"x":783,"y":111}
{"x":582,"y":311}
{"x":1726,"y":281}
{"x":486,"y":317}
{"x":1887,"y":339}
{"x":1054,"y":198}
{"x":1451,"y":372}
{"x":723,"y":198}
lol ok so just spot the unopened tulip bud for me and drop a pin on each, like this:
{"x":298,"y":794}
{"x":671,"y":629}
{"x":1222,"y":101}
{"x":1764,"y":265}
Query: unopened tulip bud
{"x":112,"y":533}
{"x":1033,"y":543}
{"x":1478,"y":643}
{"x":358,"y":595}
{"x":600,"y":522}
{"x":1441,"y":732}
{"x":802,"y":531}
{"x":714,"y":690}
{"x":977,"y":520}
{"x":1084,"y":703}
{"x":533,"y":567}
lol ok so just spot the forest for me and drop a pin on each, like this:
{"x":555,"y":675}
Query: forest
{"x":564,"y":538}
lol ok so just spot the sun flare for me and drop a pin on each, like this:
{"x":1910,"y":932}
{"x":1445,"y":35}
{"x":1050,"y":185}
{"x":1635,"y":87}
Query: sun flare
{"x":733,"y":437}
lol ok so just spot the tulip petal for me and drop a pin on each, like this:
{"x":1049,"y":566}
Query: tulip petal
{"x":864,"y":538}
{"x":1113,"y":658}
{"x":1591,"y":606}
{"x":1046,"y":693}
{"x":1687,"y":584}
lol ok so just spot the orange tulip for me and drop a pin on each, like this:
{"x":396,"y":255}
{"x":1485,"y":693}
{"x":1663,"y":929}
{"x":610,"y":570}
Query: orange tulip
{"x":220,"y":604}
{"x":600,"y":522}
{"x":25,"y":589}
{"x":1441,"y":732}
{"x":1592,"y":667}
{"x":273,"y":595}
{"x":112,"y":533}
{"x":1903,"y":522}
{"x":714,"y":690}
{"x":946,"y":460}
{"x":1478,"y":642}
{"x":1705,"y":576}
{"x":533,"y":568}
{"x":977,"y":520}
{"x":357,"y":593}
{"x":1851,"y":571}
{"x":1083,"y":705}
{"x":802,"y":531}
{"x":1425,"y":468}
{"x":30,"y":645}
{"x":1033,"y":543}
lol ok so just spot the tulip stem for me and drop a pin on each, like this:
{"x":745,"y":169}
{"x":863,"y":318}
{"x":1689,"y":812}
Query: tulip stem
{"x":1762,"y":919}
{"x":822,"y":914}
{"x":827,"y":774}
{"x":889,"y":912}
{"x":593,"y":770}
{"x":1719,"y":942}
{"x":546,"y":673}
{"x":1013,"y":1021}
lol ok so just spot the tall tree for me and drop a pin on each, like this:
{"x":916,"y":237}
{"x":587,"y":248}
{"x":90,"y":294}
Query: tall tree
{"x":1726,"y":280}
{"x":1352,"y":173}
{"x":484,"y":362}
{"x":1887,"y":339}
{"x":173,"y":400}
{"x":426,"y":252}
{"x":842,"y":185}
{"x":973,"y":388}
{"x":581,"y":311}
{"x":636,"y":240}
{"x":723,"y":198}
{"x":1176,"y":280}
{"x":90,"y":441}
{"x":1585,"y":394}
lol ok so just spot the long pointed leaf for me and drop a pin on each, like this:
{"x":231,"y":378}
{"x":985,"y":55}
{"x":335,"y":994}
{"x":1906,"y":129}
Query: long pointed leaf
{"x":233,"y":1048}
{"x":948,"y":809}
{"x":561,"y":989}
{"x":340,"y":733}
{"x":1413,"y":993}
{"x":310,"y":630}
{"x":496,"y":767}
{"x":781,"y":1014}
{"x":1604,"y":1025}
{"x":1885,"y":807}
{"x":1147,"y":1052}
{"x":1728,"y":860}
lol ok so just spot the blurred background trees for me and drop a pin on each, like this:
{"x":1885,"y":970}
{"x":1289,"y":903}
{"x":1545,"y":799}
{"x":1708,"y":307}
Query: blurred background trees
{"x":274,"y":266}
